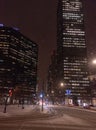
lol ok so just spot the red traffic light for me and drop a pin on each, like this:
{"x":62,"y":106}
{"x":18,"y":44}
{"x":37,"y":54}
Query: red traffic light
{"x":10,"y":92}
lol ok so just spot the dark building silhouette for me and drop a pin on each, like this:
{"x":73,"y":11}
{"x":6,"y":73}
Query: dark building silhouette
{"x":71,"y":49}
{"x":52,"y":87}
{"x":18,"y":62}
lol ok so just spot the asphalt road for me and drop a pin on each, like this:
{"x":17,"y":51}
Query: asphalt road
{"x":59,"y":118}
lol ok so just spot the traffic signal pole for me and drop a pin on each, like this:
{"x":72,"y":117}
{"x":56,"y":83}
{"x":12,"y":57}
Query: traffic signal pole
{"x":5,"y":106}
{"x":6,"y":99}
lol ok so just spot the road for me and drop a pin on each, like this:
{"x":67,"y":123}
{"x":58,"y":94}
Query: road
{"x":58,"y":118}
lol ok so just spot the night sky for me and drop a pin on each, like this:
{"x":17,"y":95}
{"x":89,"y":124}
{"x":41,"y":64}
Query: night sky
{"x":36,"y":19}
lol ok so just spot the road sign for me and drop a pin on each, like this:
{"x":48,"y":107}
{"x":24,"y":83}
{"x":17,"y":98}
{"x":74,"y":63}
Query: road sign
{"x":68,"y":92}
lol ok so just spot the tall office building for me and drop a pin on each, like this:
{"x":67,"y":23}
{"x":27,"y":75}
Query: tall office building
{"x":18,"y":62}
{"x":71,"y":48}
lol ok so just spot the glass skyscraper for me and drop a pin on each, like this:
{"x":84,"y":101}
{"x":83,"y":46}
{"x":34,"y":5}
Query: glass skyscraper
{"x":71,"y":48}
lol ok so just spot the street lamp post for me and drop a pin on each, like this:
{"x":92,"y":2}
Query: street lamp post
{"x":62,"y":92}
{"x":41,"y":95}
{"x":23,"y":103}
{"x":94,"y":73}
{"x":42,"y":103}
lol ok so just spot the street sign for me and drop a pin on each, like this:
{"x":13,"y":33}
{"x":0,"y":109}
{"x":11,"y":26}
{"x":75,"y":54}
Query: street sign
{"x":68,"y":92}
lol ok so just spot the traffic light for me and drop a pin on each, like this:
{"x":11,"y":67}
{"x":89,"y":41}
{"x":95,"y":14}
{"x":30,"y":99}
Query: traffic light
{"x":10,"y":92}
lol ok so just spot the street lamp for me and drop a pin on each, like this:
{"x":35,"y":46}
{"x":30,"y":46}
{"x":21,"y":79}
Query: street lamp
{"x":61,"y":84}
{"x":94,"y":61}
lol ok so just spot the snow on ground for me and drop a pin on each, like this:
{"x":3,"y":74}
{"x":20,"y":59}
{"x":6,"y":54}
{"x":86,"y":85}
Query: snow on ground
{"x":17,"y":110}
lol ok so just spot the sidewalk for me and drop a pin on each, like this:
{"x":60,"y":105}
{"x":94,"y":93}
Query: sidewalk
{"x":76,"y":107}
{"x":93,"y":108}
{"x":81,"y":107}
{"x":15,"y":110}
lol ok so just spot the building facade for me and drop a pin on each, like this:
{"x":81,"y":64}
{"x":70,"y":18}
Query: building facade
{"x":71,"y":49}
{"x":18,"y":62}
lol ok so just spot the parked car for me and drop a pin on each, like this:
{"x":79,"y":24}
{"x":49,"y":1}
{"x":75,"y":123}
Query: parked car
{"x":86,"y":105}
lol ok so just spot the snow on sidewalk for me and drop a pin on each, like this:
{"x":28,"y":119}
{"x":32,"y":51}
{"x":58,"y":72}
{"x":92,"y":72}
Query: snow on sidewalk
{"x":15,"y":110}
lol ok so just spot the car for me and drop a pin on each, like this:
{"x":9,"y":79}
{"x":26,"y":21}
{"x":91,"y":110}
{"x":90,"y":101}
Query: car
{"x":86,"y":105}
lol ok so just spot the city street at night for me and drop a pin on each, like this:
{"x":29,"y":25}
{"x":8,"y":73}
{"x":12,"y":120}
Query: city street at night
{"x":52,"y":118}
{"x":48,"y":65}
